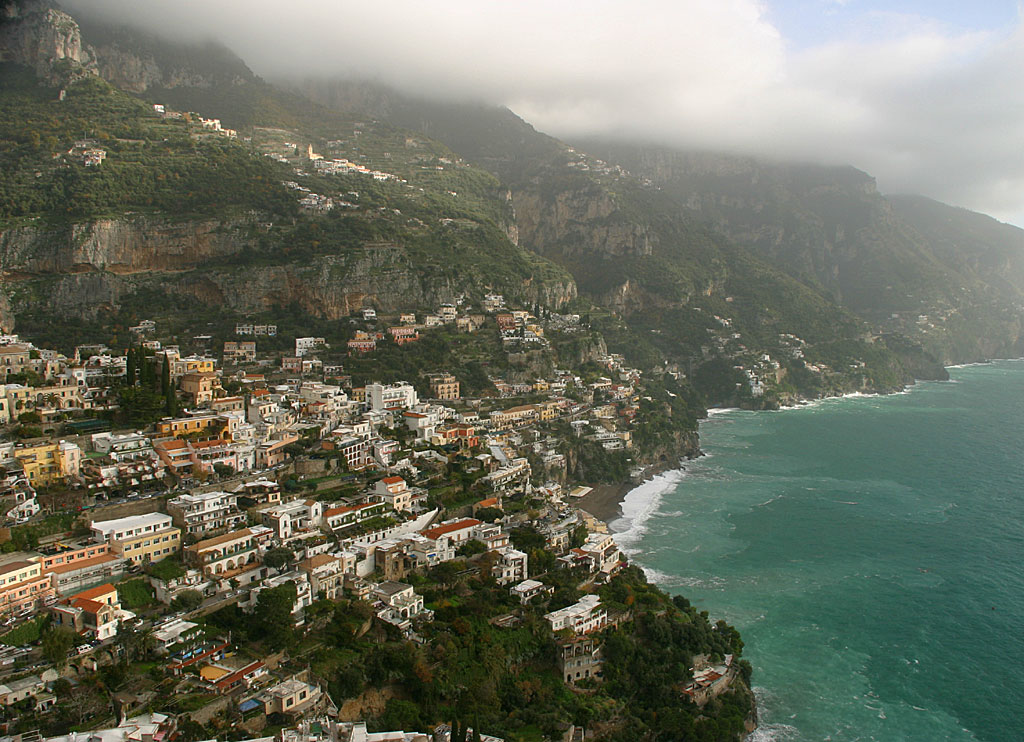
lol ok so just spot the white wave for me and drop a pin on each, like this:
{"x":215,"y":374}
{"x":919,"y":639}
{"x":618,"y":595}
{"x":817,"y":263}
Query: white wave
{"x":656,"y":576}
{"x":640,"y":504}
{"x":774,"y":733}
{"x":977,"y":363}
{"x":770,"y":732}
{"x":713,"y":411}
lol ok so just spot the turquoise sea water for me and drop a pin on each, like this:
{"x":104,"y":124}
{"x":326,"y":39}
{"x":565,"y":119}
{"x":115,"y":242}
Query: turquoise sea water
{"x":870,"y":551}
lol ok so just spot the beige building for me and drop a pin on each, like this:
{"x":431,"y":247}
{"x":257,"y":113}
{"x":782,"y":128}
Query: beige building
{"x":291,"y":697}
{"x":240,"y":352}
{"x":514,"y":417}
{"x":140,"y":538}
{"x":395,"y":492}
{"x":444,"y":386}
{"x":222,"y":555}
{"x":200,"y":387}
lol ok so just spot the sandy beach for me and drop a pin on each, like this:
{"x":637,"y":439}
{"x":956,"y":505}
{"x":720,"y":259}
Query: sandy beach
{"x":605,"y":501}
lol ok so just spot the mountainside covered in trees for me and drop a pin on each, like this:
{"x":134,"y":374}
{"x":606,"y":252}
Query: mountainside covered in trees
{"x":702,"y":262}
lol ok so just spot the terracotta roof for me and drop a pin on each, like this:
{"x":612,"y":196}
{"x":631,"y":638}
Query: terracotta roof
{"x":348,"y":508}
{"x":210,"y":444}
{"x":218,"y":540}
{"x":91,"y":606}
{"x":96,"y":592}
{"x":316,"y":561}
{"x":392,"y":480}
{"x":439,"y":531}
{"x":83,"y":563}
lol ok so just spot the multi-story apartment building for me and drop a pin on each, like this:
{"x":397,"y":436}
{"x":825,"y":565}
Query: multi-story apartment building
{"x":391,"y":396}
{"x":511,"y":566}
{"x":443,"y":386}
{"x":514,"y":417}
{"x":243,"y":351}
{"x":223,"y":554}
{"x":139,"y":538}
{"x":76,"y":567}
{"x":394,"y":491}
{"x":289,"y":519}
{"x":199,"y":387}
{"x":24,"y":585}
{"x":582,"y":617}
{"x":205,"y":513}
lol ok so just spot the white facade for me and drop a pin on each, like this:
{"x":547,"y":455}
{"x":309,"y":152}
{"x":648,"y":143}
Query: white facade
{"x":134,"y":525}
{"x":582,"y":617}
{"x":382,"y":397}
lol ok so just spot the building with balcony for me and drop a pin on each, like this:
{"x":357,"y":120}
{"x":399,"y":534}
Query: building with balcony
{"x":205,"y":513}
{"x":24,"y":585}
{"x":222,"y":555}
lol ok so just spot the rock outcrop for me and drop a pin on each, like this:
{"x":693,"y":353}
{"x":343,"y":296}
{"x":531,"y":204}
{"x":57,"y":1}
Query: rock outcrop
{"x":46,"y":40}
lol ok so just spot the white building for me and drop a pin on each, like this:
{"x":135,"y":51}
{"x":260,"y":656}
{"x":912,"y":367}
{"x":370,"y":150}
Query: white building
{"x":122,"y":529}
{"x":295,"y":517}
{"x":391,"y":396}
{"x":304,"y":346}
{"x":512,"y":566}
{"x":207,"y":512}
{"x":582,"y":617}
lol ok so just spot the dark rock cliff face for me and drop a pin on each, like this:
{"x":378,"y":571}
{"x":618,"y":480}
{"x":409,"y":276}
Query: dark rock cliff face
{"x":44,"y":39}
{"x":576,"y":222}
{"x":94,"y":267}
{"x":121,"y":246}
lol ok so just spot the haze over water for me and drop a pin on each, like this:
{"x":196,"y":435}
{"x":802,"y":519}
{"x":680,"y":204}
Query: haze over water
{"x":869,"y":550}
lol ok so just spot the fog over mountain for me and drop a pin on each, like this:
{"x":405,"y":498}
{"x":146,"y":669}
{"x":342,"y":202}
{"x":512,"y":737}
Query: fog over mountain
{"x":928,"y":103}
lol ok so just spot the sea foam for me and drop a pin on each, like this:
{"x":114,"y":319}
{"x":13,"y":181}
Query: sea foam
{"x":639,"y":505}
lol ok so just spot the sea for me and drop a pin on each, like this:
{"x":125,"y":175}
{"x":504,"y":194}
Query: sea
{"x":870,"y":549}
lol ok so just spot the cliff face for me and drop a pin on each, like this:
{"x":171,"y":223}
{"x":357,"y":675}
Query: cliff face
{"x":44,"y":39}
{"x":826,"y":226}
{"x":576,"y":222}
{"x":120,"y":246}
{"x":95,"y":267}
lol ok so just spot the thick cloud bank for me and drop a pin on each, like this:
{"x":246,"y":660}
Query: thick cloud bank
{"x":926,"y":107}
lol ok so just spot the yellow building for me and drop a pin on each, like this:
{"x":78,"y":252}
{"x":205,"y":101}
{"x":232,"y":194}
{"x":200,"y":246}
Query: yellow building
{"x":547,"y":411}
{"x":181,"y":426}
{"x":42,"y":463}
{"x":198,"y":365}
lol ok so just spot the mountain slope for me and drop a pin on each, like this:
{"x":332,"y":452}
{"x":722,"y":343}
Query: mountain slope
{"x":180,"y":209}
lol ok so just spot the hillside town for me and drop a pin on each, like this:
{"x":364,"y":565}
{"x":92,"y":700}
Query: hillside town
{"x":269,"y":488}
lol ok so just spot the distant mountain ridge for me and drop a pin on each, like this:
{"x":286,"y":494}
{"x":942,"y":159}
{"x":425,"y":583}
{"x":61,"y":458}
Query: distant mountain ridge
{"x":674,"y":244}
{"x":885,"y":259}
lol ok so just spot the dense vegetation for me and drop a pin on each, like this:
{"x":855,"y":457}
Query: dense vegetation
{"x":151,"y":163}
{"x":506,"y":681}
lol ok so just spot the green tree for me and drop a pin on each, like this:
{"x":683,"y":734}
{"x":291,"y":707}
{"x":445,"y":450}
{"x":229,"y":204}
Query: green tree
{"x":57,"y":642}
{"x":273,"y":621}
{"x":278,"y":558}
{"x":445,"y":574}
{"x":187,"y":600}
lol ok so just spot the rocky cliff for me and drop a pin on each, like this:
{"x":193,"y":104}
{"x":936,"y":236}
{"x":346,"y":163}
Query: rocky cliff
{"x":133,"y":244}
{"x":45,"y":39}
{"x":97,"y":267}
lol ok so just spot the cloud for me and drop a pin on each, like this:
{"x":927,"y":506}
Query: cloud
{"x":922,"y":106}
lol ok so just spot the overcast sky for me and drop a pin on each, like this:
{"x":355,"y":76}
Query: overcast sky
{"x":926,"y":95}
